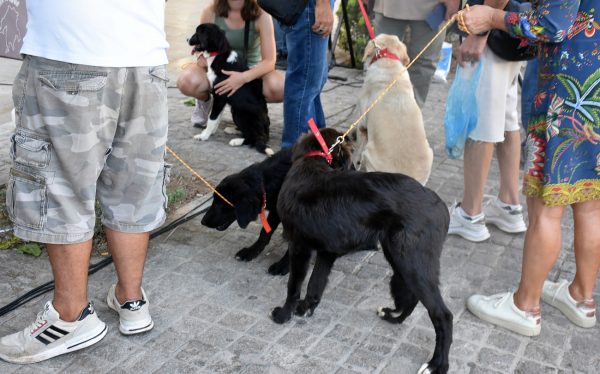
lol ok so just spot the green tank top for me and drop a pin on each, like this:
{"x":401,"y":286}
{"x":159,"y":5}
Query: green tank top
{"x":236,"y":40}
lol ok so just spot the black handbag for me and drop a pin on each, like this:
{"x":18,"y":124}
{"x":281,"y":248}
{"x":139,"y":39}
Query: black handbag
{"x":503,"y":44}
{"x":285,"y":11}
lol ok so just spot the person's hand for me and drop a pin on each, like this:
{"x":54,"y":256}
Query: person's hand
{"x":230,"y":85}
{"x":476,"y":19}
{"x":452,"y":7}
{"x":323,"y":18}
{"x":471,"y":49}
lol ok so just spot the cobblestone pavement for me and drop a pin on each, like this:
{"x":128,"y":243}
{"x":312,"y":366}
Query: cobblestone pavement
{"x":212,"y":312}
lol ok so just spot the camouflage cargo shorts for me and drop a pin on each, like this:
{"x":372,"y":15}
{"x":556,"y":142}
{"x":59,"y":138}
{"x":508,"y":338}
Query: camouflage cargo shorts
{"x":86,"y":133}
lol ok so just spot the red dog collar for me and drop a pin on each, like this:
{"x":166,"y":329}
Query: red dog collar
{"x":384,"y":53}
{"x":263,"y":216}
{"x":319,"y":154}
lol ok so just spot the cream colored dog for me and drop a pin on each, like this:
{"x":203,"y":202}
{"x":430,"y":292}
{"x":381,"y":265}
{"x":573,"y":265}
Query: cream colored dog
{"x":392,"y":137}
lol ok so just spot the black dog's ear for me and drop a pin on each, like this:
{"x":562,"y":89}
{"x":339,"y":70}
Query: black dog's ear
{"x":218,"y":37}
{"x":247,"y":210}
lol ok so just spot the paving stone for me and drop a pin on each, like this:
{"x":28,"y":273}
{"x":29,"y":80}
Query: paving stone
{"x":526,"y":367}
{"x":542,"y":353}
{"x":175,"y":366}
{"x":330,"y":350}
{"x":496,"y":360}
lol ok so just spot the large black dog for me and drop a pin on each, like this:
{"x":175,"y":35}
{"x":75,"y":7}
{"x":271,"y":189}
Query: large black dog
{"x":335,"y":212}
{"x":248,"y":104}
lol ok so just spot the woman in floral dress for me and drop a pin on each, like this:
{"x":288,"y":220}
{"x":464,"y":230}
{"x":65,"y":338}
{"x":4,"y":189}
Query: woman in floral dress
{"x":563,"y":161}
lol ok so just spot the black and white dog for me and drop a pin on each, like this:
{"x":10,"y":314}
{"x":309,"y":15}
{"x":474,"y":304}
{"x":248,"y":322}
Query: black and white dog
{"x":248,"y":104}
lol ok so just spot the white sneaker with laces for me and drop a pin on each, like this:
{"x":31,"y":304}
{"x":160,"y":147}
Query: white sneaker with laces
{"x":581,"y":313}
{"x":500,"y":309}
{"x":470,"y":228}
{"x":49,"y":336}
{"x":504,"y":217}
{"x":201,"y":112}
{"x":134,"y":315}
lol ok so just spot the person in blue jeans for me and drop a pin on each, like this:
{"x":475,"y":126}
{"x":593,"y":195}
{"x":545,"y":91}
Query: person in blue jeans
{"x":306,"y":73}
{"x":279,"y":39}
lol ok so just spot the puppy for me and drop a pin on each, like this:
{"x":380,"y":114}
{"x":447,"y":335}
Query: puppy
{"x":392,"y":137}
{"x":246,"y":190}
{"x":248,"y":104}
{"x":335,"y":212}
{"x":249,"y":190}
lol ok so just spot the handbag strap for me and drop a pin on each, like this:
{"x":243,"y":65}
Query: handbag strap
{"x":246,"y":37}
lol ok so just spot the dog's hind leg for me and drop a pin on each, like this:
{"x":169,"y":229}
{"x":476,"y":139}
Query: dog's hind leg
{"x":423,"y":281}
{"x":299,"y":259}
{"x":316,"y":284}
{"x":441,"y":317}
{"x":404,"y":300}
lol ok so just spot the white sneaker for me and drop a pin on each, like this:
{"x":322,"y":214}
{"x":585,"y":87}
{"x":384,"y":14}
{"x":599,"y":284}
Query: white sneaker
{"x":470,"y":228}
{"x":500,"y":309}
{"x":504,"y":217}
{"x":49,"y":336}
{"x":134,"y":315}
{"x":201,"y":112}
{"x":582,"y":313}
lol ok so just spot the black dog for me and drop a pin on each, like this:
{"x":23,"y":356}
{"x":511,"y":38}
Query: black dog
{"x":248,"y":104}
{"x":246,"y":191}
{"x":335,"y":212}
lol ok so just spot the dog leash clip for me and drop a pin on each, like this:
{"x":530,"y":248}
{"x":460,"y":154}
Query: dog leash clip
{"x":339,"y":140}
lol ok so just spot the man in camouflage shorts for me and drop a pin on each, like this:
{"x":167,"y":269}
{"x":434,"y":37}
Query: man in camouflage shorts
{"x":91,"y":124}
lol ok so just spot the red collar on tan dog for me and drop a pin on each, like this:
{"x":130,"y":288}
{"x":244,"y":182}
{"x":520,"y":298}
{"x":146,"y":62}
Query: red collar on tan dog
{"x":384,"y":53}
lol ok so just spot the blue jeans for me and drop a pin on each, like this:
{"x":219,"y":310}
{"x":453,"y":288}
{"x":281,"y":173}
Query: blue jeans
{"x":279,"y":38}
{"x":305,"y":77}
{"x":528,"y":90}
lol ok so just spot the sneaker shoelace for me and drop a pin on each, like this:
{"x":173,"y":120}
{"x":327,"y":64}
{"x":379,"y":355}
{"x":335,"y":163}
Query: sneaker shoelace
{"x":40,"y":321}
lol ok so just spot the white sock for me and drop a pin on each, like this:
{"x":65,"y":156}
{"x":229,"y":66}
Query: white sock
{"x":502,"y":204}
{"x":472,"y":218}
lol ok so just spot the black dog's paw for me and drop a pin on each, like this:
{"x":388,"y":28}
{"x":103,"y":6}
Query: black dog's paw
{"x":280,"y":315}
{"x":247,"y":254}
{"x":304,"y":308}
{"x":281,"y":267}
{"x":390,"y":315}
{"x":427,"y":368}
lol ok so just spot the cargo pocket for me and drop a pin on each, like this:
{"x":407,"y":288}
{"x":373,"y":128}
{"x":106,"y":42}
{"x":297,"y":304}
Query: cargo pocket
{"x":166,"y":180}
{"x":26,"y":199}
{"x":159,"y":74}
{"x":29,"y":150}
{"x":73,"y":82}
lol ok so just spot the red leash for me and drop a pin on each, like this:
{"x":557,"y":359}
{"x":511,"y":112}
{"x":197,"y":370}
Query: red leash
{"x":319,"y":137}
{"x":367,"y":21}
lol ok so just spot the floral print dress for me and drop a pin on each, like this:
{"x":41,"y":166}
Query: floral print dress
{"x":563,"y":136}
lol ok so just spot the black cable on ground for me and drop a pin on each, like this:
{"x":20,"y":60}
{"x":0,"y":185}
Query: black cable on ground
{"x":49,"y":286}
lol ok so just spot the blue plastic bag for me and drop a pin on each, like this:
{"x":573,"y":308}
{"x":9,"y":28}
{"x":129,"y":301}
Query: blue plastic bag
{"x":461,"y":108}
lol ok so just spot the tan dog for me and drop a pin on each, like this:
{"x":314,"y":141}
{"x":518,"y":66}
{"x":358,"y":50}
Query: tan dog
{"x":392,"y":137}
